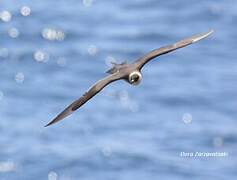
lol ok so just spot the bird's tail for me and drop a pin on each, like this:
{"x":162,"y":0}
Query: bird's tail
{"x":115,"y":67}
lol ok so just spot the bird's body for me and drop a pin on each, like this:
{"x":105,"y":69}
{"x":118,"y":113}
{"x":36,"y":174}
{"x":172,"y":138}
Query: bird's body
{"x":128,"y":72}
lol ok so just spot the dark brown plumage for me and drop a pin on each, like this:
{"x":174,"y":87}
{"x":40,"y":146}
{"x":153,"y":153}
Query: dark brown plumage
{"x":129,"y":72}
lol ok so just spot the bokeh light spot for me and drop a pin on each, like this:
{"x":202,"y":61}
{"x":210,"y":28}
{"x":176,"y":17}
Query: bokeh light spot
{"x":87,"y":3}
{"x":218,"y":141}
{"x":4,"y":52}
{"x":5,"y":16}
{"x":13,"y":33}
{"x":19,"y":77}
{"x":53,"y":34}
{"x":7,"y":166}
{"x":52,"y":175}
{"x":25,"y":11}
{"x":41,"y":56}
{"x":109,"y":60}
{"x":92,"y":50}
{"x":187,"y":118}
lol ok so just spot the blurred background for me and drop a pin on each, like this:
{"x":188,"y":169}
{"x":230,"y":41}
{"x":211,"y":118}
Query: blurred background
{"x":52,"y":51}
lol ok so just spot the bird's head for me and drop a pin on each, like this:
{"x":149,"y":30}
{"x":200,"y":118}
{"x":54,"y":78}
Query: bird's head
{"x":135,"y":78}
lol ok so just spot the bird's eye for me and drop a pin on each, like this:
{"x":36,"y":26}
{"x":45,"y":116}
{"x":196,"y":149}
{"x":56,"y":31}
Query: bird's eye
{"x":135,"y":78}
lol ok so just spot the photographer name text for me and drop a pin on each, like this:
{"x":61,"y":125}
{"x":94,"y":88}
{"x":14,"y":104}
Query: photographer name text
{"x":204,"y":154}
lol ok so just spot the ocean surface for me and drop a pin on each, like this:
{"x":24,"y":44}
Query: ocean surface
{"x":51,"y":52}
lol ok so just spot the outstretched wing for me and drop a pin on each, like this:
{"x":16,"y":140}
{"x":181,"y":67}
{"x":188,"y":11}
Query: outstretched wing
{"x":97,"y":87}
{"x":166,"y":49}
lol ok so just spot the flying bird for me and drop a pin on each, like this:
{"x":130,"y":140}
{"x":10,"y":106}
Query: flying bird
{"x":128,"y":72}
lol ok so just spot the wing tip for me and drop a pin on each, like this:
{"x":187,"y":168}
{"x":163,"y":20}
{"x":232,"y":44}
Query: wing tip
{"x":50,"y":123}
{"x":202,"y":36}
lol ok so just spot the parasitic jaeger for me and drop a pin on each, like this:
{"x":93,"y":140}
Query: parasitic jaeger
{"x":128,"y":72}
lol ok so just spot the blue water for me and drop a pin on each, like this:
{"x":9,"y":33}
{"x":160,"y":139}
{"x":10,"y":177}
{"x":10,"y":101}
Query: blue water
{"x":186,"y":102}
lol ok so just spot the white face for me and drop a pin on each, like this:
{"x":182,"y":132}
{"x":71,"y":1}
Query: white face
{"x":135,"y":78}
